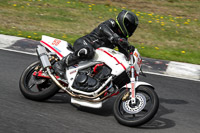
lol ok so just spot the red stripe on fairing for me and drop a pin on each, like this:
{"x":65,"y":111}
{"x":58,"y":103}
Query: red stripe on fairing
{"x":52,"y":48}
{"x":109,"y":54}
{"x":112,"y":57}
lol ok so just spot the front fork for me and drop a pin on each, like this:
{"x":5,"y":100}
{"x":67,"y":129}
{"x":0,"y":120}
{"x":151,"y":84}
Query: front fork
{"x":132,"y":90}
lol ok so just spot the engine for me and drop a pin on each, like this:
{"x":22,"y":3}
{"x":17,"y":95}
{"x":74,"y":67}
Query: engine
{"x":91,"y":79}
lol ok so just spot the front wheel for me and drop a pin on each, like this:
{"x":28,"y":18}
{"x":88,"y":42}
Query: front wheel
{"x":146,"y":107}
{"x":36,"y":88}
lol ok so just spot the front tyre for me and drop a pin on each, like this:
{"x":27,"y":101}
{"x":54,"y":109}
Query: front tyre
{"x":146,"y":107}
{"x":36,"y":88}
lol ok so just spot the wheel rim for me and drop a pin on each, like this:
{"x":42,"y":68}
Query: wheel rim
{"x":138,"y":111}
{"x":139,"y":106}
{"x":34,"y":84}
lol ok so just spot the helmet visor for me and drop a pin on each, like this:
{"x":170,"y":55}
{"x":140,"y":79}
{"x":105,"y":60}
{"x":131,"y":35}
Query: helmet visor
{"x":130,"y":27}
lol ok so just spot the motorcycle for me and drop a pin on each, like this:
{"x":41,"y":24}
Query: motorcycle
{"x":90,"y":83}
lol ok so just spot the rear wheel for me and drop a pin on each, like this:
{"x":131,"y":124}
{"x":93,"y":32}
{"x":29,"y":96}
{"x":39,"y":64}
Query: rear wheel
{"x":146,"y":107}
{"x":36,"y":88}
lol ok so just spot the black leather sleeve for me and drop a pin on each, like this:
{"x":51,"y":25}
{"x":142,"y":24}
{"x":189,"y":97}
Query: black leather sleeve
{"x":106,"y":29}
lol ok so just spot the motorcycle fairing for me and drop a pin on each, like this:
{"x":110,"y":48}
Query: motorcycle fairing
{"x":138,"y":61}
{"x":114,"y":59}
{"x":56,"y":45}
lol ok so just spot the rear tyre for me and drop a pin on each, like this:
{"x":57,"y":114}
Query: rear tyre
{"x":36,"y":88}
{"x":144,"y":110}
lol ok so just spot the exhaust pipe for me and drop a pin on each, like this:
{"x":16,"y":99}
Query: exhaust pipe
{"x":43,"y":57}
{"x":88,"y":98}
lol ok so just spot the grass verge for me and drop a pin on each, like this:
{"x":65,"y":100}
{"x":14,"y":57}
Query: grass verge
{"x":172,"y":35}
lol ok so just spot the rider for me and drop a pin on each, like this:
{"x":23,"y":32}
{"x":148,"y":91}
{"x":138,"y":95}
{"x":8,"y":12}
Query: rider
{"x":109,"y":34}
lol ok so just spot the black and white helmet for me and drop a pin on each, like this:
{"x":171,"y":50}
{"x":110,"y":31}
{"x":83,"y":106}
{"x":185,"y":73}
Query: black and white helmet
{"x":127,"y":22}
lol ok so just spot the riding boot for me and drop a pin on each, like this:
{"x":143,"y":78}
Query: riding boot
{"x":67,"y":61}
{"x":59,"y":68}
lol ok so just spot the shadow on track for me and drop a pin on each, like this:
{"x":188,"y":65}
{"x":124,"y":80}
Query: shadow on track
{"x":162,"y":123}
{"x":158,"y":122}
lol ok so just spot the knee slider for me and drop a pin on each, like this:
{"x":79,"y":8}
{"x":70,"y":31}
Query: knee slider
{"x":83,"y":52}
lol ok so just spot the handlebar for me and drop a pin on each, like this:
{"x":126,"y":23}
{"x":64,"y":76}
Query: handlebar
{"x":125,"y":47}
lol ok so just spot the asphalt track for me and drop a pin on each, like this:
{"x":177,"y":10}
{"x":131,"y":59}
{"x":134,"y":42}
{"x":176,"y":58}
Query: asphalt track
{"x":179,"y":110}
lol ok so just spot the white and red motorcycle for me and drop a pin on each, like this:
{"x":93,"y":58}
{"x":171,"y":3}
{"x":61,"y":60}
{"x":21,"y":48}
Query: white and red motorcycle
{"x":90,"y":83}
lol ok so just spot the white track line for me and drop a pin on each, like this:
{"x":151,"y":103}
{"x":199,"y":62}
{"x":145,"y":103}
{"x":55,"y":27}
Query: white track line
{"x":17,"y":51}
{"x":143,"y":71}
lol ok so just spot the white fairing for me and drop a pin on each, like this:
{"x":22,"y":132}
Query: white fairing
{"x":138,"y":61}
{"x":114,"y":59}
{"x":55,"y":45}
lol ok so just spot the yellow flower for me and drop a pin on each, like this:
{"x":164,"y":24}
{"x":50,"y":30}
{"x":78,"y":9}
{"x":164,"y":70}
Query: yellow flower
{"x":115,"y":9}
{"x":188,"y":20}
{"x":186,"y":23}
{"x":14,"y":4}
{"x":123,"y":7}
{"x":68,"y":2}
{"x":64,"y":36}
{"x":19,"y":34}
{"x":133,"y":10}
{"x":110,"y":10}
{"x":183,"y":52}
{"x":22,"y":6}
{"x":27,"y":4}
{"x":138,"y":14}
{"x":29,"y":36}
{"x":35,"y":33}
{"x":150,"y":14}
{"x":90,"y":5}
{"x":178,"y":25}
{"x":149,"y":21}
{"x":100,"y":17}
{"x":93,"y":4}
{"x":162,"y":24}
{"x":161,"y":17}
{"x":142,"y":47}
{"x":157,"y":48}
{"x":90,"y":9}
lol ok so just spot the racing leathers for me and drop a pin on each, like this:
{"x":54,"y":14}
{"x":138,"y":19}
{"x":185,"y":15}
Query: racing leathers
{"x":107,"y":34}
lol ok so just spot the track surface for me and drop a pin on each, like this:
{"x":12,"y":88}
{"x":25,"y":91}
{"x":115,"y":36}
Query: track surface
{"x":179,"y":110}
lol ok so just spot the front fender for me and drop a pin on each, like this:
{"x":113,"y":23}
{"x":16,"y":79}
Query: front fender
{"x":137,"y":84}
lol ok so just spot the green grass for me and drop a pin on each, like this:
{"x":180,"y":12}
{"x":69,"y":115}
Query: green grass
{"x":174,"y":36}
